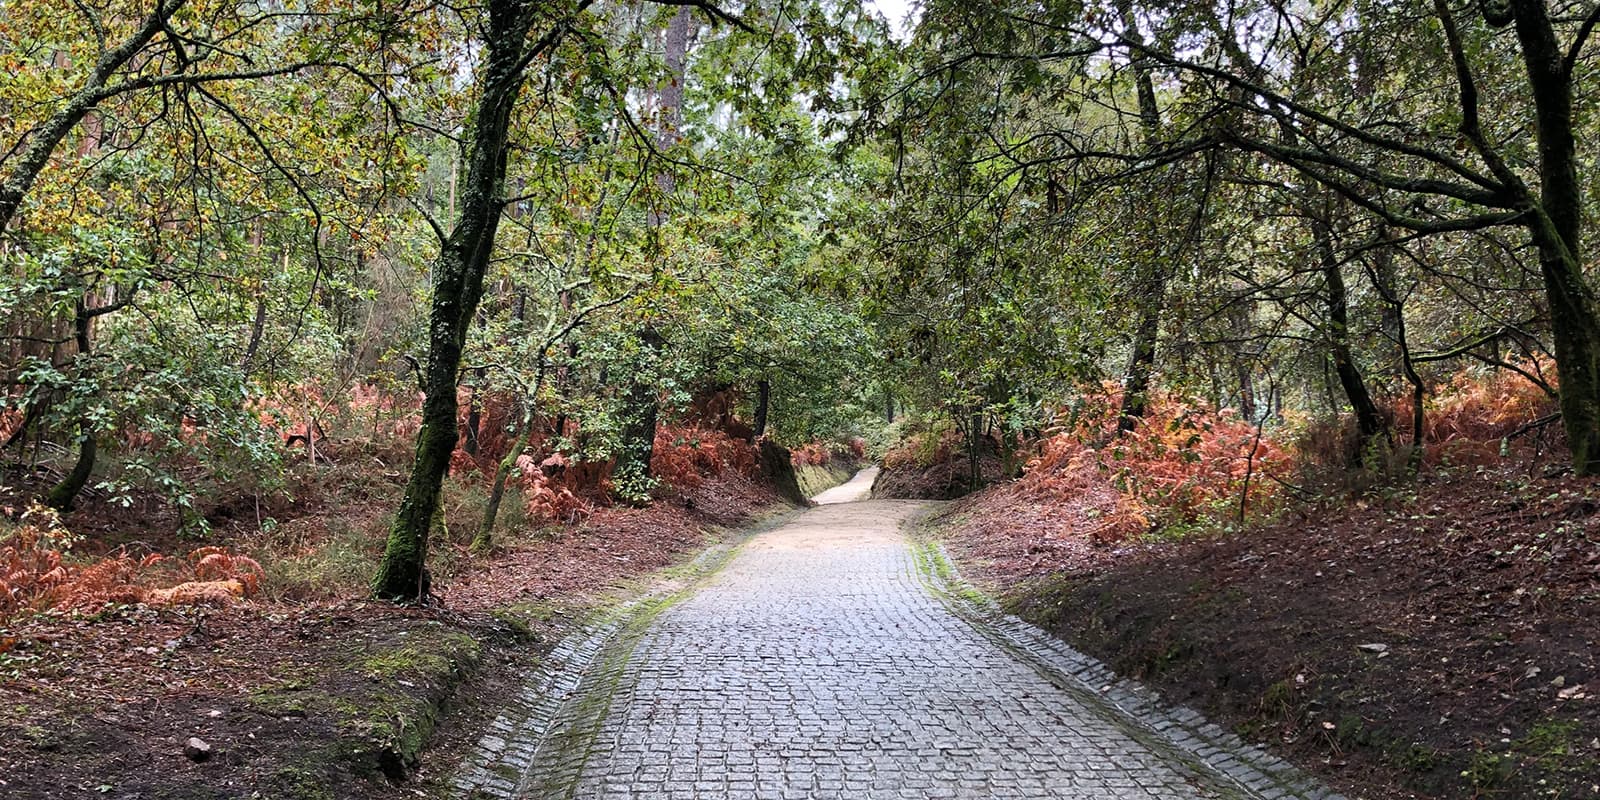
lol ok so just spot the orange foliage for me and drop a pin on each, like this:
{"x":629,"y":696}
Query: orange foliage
{"x":36,"y":573}
{"x":556,"y":489}
{"x":216,"y":564}
{"x":547,"y":498}
{"x":10,"y":420}
{"x":817,"y":452}
{"x":1184,"y":462}
{"x":496,"y":413}
{"x":389,"y":414}
{"x":686,"y":455}
{"x":813,"y":453}
{"x":1476,"y":409}
{"x":922,"y":449}
{"x":195,"y":593}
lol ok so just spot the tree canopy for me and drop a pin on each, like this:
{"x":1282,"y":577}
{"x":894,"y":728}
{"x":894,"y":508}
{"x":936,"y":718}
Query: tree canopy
{"x":225,"y":226}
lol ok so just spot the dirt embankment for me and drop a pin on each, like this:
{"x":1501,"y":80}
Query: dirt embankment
{"x":1438,"y":640}
{"x":296,"y":697}
{"x":942,"y":472}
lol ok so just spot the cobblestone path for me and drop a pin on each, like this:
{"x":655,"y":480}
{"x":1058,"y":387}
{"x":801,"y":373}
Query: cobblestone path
{"x":817,"y":664}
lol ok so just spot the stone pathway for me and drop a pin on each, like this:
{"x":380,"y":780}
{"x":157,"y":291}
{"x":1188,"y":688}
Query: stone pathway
{"x":859,"y":487}
{"x":818,"y":664}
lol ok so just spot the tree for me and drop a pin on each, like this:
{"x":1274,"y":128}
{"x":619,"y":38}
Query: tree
{"x":509,"y":53}
{"x":164,"y":155}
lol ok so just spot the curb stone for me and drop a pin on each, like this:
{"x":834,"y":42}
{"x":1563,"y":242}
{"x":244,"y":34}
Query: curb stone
{"x":1180,"y":730}
{"x":538,"y":744}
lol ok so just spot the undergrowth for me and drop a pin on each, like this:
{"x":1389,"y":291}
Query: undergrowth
{"x":38,"y":572}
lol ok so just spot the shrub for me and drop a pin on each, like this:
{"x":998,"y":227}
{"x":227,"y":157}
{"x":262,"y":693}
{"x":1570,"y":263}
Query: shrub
{"x":38,"y":573}
{"x":1183,"y":463}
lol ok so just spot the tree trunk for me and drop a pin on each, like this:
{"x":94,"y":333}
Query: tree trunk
{"x":1369,"y":422}
{"x":1141,"y":365}
{"x":640,"y":411}
{"x":975,"y":450}
{"x":457,"y":288}
{"x":1556,"y":226}
{"x":1247,"y":389}
{"x":484,"y":540}
{"x":475,"y":413}
{"x":1152,"y":283}
{"x":63,"y":494}
{"x":763,"y":404}
{"x":1382,"y":274}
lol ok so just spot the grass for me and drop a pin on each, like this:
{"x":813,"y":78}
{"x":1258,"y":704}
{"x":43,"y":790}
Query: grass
{"x":320,"y":557}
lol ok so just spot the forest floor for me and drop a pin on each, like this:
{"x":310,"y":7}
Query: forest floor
{"x":1440,"y":636}
{"x":309,"y":690}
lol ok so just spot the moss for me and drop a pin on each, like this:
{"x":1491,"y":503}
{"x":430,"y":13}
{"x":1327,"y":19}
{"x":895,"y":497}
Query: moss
{"x":301,"y":782}
{"x":1279,"y":698}
{"x":280,"y":701}
{"x":383,"y":700}
{"x":427,"y":649}
{"x":815,"y":479}
{"x":1489,"y":770}
{"x":518,"y":624}
{"x":386,"y":726}
{"x":1351,"y":730}
{"x":1557,"y":746}
{"x":1549,"y":740}
{"x":1415,"y":758}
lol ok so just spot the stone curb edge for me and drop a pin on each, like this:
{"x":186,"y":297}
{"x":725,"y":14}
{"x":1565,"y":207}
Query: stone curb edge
{"x":1260,"y":774}
{"x":499,"y":765}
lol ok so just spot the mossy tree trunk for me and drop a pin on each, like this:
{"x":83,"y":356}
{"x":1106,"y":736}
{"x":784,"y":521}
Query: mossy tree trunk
{"x":64,"y":493}
{"x":1556,"y":226}
{"x":975,"y":437}
{"x":458,"y":286}
{"x":483,"y":542}
{"x":1152,"y":280}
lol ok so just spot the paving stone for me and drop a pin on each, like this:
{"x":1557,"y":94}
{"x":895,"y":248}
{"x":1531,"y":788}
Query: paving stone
{"x":822,"y":634}
{"x":829,"y":660}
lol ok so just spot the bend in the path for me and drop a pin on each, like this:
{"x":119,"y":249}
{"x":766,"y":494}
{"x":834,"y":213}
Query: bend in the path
{"x":858,"y":488}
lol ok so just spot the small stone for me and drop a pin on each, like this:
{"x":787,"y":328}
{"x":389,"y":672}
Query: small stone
{"x":196,"y":749}
{"x":1373,"y":648}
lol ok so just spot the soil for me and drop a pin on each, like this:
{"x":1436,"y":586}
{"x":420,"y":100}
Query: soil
{"x":943,"y":479}
{"x":1433,"y":640}
{"x":315,"y":693}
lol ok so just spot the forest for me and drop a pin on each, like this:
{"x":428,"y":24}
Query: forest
{"x":355,"y":352}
